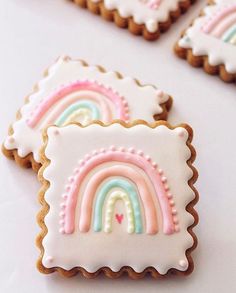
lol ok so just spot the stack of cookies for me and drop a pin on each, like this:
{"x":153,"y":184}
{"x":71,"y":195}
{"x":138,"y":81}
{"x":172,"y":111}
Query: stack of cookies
{"x":117,"y":179}
{"x":114,"y":176}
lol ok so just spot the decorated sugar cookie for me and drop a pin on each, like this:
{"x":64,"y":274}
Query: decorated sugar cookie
{"x":142,"y":17}
{"x":117,"y":198}
{"x":211,"y":40}
{"x":73,"y":91}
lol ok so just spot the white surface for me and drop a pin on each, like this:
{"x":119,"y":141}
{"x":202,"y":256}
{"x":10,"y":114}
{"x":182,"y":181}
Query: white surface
{"x":32,"y":35}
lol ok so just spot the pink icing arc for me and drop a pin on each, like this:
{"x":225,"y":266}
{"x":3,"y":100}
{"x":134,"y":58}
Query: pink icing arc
{"x":139,"y":160}
{"x":46,"y":104}
{"x":105,"y":109}
{"x":224,"y":25}
{"x":208,"y":27}
{"x":136,"y":178}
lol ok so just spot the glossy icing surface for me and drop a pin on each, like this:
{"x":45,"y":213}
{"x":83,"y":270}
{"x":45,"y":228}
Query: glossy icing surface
{"x":148,"y":12}
{"x":214,"y":34}
{"x":72,"y":92}
{"x":111,"y":222}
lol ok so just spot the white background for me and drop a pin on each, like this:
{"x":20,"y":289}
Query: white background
{"x":32,"y":35}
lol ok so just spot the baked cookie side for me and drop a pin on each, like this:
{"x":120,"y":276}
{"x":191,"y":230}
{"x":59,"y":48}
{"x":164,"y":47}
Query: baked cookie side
{"x":148,"y":18}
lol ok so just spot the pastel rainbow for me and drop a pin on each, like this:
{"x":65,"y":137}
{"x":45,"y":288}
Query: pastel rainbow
{"x":222,"y":25}
{"x":127,"y":188}
{"x":134,"y":176}
{"x":118,"y":156}
{"x":119,"y":102}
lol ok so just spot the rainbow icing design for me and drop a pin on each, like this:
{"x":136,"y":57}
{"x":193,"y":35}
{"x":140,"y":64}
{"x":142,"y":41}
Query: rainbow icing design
{"x":84,"y":100}
{"x":118,"y":173}
{"x":223,"y":24}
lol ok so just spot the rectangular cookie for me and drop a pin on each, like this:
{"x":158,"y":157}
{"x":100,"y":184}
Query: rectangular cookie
{"x":149,"y":18}
{"x":117,"y":199}
{"x":210,"y":42}
{"x":73,"y":91}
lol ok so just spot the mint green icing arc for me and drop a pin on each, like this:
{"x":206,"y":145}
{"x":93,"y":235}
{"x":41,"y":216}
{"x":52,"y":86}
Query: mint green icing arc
{"x":228,"y":35}
{"x":74,"y":107}
{"x":133,"y":196}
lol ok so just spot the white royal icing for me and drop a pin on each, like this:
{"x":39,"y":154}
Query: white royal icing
{"x":142,"y":11}
{"x":143,"y":102}
{"x":218,"y":51}
{"x":93,"y":250}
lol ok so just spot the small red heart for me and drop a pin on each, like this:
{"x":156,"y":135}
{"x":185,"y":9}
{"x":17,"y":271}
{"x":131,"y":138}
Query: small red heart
{"x":119,"y":218}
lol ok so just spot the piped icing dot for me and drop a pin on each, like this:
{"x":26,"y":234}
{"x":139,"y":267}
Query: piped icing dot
{"x":122,"y":149}
{"x":62,"y":205}
{"x":130,"y":230}
{"x":64,"y":196}
{"x":183,"y":263}
{"x":140,"y":153}
{"x":166,"y":186}
{"x":71,"y":179}
{"x":160,"y":93}
{"x":169,"y":195}
{"x":125,"y":103}
{"x":154,"y":165}
{"x":68,"y":187}
{"x":160,"y":171}
{"x":62,"y":222}
{"x":174,"y":212}
{"x":128,"y":204}
{"x":148,"y":158}
{"x":151,"y":26}
{"x":172,"y":203}
{"x":61,"y":231}
{"x":112,"y":148}
{"x":87,"y":157}
{"x":180,"y":132}
{"x":107,"y":229}
{"x":62,"y":214}
{"x":49,"y":259}
{"x":131,"y":150}
{"x":163,"y":179}
{"x":175,"y":220}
